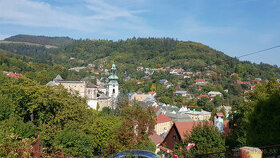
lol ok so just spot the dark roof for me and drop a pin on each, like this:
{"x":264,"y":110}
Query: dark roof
{"x":90,"y":85}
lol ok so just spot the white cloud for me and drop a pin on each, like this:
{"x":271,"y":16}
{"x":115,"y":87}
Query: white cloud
{"x":102,"y":16}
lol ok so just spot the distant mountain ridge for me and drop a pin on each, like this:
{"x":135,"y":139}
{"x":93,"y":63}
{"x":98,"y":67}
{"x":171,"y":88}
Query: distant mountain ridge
{"x":43,"y":40}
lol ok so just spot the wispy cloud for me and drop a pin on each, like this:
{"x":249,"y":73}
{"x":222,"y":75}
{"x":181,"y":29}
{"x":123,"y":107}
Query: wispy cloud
{"x":102,"y":16}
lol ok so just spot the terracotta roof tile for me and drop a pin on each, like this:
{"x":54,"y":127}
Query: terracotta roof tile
{"x":182,"y":127}
{"x":156,"y":138}
{"x":162,"y":118}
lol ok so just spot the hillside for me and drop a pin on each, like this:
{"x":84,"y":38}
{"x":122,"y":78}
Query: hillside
{"x":43,"y":40}
{"x":146,"y":52}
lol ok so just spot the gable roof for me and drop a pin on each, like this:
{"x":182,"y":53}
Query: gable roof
{"x":162,"y":118}
{"x":183,"y":127}
{"x":156,"y":138}
{"x":58,"y":78}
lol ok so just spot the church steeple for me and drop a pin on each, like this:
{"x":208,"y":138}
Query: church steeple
{"x":113,"y":83}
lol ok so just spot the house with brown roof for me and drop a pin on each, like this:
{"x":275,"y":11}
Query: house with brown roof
{"x":157,"y":140}
{"x":177,"y":133}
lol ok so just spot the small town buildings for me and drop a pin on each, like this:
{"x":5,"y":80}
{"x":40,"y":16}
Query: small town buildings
{"x":163,"y":125}
{"x":89,"y":91}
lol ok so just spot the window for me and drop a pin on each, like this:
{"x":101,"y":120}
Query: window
{"x":174,"y":137}
{"x":113,"y":91}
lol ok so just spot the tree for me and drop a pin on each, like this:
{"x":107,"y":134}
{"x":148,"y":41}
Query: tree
{"x":218,"y":100}
{"x":250,"y":120}
{"x":264,"y":121}
{"x":206,"y":138}
{"x":139,"y":122}
{"x":203,"y":101}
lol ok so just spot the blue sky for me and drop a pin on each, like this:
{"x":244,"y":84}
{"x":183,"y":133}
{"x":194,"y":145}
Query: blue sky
{"x":235,"y":27}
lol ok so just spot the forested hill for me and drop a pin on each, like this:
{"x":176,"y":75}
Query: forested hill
{"x":43,"y":40}
{"x":161,"y":53}
{"x":146,"y":52}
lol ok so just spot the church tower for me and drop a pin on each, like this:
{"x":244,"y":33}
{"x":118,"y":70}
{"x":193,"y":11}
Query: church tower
{"x":113,"y":83}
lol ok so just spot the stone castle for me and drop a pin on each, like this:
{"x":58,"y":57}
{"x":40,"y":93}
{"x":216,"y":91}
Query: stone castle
{"x":90,"y":92}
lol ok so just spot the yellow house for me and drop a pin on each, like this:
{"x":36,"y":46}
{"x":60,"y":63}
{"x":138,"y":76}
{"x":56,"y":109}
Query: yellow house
{"x":164,"y":123}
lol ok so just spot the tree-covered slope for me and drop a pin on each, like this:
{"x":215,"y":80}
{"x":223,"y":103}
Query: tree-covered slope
{"x":43,"y":40}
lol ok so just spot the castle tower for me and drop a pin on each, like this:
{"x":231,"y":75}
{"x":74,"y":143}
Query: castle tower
{"x":113,"y":85}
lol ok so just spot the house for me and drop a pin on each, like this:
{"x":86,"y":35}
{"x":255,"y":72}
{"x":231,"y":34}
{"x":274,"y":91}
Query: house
{"x":176,"y":71}
{"x":164,"y":81}
{"x":163,"y":125}
{"x":178,"y":130}
{"x":203,"y":95}
{"x":243,"y":82}
{"x":200,"y":82}
{"x":139,"y":68}
{"x":100,"y":66}
{"x":181,"y":93}
{"x":214,"y":94}
{"x":14,"y":75}
{"x":196,"y":115}
{"x":152,"y":93}
{"x":157,"y":140}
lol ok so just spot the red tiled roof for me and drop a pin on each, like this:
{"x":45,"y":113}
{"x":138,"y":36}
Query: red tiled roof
{"x":152,"y":93}
{"x":100,"y":87}
{"x":13,"y":75}
{"x":162,"y":118}
{"x":156,"y":138}
{"x":199,"y":80}
{"x":219,"y":114}
{"x":203,"y":95}
{"x":184,"y":127}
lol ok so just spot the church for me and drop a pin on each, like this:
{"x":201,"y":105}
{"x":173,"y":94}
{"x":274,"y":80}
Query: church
{"x":90,"y":92}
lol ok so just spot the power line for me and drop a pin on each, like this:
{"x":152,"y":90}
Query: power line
{"x":258,"y":51}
